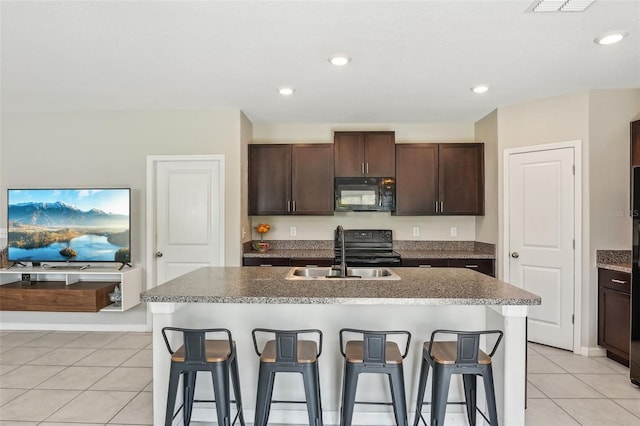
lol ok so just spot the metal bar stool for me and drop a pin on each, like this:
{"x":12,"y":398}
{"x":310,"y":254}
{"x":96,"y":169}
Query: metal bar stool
{"x":287,"y":353}
{"x":373,"y":354}
{"x":197,"y":353}
{"x":465,"y":357}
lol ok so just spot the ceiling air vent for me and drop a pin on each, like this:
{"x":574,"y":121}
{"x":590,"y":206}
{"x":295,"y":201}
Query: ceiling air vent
{"x":559,"y":5}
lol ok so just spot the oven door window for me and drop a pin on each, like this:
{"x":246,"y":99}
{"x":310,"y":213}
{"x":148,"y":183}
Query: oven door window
{"x":358,"y":197}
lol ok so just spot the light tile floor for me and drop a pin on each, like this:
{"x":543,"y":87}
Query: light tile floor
{"x":54,"y":378}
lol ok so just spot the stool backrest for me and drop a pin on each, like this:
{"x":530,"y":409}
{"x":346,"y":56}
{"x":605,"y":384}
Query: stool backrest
{"x":374,"y":344}
{"x":286,"y":343}
{"x":468,"y":344}
{"x":194,"y":342}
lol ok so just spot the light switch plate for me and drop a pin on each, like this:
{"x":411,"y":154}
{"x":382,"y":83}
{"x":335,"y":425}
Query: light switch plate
{"x":3,"y":232}
{"x":454,"y":231}
{"x":416,"y":231}
{"x":293,"y":231}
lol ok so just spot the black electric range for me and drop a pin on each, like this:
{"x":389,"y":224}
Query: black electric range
{"x":367,"y":247}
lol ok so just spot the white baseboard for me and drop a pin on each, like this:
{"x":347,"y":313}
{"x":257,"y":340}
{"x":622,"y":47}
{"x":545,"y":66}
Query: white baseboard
{"x":75,"y":327}
{"x":593,"y":351}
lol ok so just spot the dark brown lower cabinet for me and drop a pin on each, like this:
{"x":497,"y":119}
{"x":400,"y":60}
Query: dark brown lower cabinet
{"x":614,"y":296}
{"x":485,"y":266}
{"x":265,"y":261}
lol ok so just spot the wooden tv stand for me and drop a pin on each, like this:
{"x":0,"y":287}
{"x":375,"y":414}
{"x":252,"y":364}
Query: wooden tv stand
{"x":68,"y":290}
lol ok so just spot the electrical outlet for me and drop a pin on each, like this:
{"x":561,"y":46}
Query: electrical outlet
{"x":454,"y":231}
{"x":293,"y":231}
{"x":416,"y":231}
{"x":244,"y":233}
{"x":3,"y":232}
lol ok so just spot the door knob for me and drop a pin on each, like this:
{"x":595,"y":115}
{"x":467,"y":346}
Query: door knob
{"x":159,"y":254}
{"x":515,"y":255}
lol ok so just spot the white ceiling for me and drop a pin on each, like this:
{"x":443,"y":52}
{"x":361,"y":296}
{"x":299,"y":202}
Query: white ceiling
{"x":413,"y":61}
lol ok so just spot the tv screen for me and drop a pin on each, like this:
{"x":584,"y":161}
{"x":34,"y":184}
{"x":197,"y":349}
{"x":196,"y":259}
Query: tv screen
{"x":69,"y":225}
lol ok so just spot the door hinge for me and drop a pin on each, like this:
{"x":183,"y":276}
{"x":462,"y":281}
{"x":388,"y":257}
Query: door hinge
{"x":573,"y":169}
{"x":573,"y":318}
{"x":574,"y":244}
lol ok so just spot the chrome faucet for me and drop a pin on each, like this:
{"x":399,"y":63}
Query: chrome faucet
{"x":343,"y":262}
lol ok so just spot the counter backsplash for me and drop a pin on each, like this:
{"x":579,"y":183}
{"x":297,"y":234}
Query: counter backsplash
{"x":397,"y":245}
{"x":613,"y":256}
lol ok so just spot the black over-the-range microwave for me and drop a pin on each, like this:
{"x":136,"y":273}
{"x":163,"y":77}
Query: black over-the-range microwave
{"x":355,"y":194}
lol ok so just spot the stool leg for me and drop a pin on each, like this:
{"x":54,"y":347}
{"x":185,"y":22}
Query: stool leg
{"x":263,"y":396}
{"x":188,"y":390}
{"x":439,"y":394}
{"x":470,"y":396}
{"x":220,"y":376}
{"x":235,"y":381}
{"x":311,"y":391}
{"x":396,"y":381}
{"x":422,"y":384}
{"x":174,"y":378}
{"x":489,"y":391}
{"x":349,"y":393}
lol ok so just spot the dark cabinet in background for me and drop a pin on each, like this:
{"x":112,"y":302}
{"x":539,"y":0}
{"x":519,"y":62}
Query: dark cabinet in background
{"x":635,"y":143}
{"x":291,"y":179}
{"x":364,"y":154}
{"x":485,"y":266}
{"x":440,"y":179}
{"x":614,"y":296}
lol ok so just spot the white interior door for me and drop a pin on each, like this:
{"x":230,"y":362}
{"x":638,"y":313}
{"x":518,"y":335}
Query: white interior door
{"x":541,"y":239}
{"x":189,"y":215}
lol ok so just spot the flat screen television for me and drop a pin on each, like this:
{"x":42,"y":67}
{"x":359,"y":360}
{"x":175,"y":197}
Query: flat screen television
{"x":69,"y":225}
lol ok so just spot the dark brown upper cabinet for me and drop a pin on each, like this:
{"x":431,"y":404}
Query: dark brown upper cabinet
{"x":291,"y":179}
{"x":439,"y":179}
{"x":635,"y":143}
{"x":364,"y":154}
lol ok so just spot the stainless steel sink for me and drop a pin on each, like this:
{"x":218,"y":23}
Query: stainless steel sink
{"x":327,"y":273}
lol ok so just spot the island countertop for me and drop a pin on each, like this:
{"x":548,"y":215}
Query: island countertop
{"x":417,"y":286}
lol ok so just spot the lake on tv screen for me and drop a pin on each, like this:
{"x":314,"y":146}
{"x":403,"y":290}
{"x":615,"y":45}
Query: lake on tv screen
{"x":89,"y":247}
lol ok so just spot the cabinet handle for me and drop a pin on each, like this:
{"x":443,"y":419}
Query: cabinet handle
{"x":362,"y":167}
{"x":441,"y":206}
{"x":367,"y":172}
{"x":294,"y":206}
{"x":618,"y":281}
{"x":264,"y":264}
{"x":424,"y":266}
{"x":436,"y":207}
{"x":470,"y":266}
{"x":288,"y":205}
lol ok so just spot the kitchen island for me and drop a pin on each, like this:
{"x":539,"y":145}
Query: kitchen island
{"x":242,"y":298}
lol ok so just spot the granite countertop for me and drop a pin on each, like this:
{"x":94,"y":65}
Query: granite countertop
{"x":417,"y":286}
{"x":614,"y":260}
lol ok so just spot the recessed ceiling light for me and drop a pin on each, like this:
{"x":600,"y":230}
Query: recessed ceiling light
{"x":339,"y":60}
{"x":286,"y":91}
{"x":610,"y":38}
{"x":479,"y":89}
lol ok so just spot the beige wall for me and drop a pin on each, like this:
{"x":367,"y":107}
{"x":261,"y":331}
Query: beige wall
{"x":246,"y":134}
{"x":110,"y":148}
{"x":600,"y":120}
{"x":321,"y":227}
{"x":486,"y":130}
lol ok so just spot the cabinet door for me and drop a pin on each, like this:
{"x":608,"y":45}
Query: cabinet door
{"x":269,"y":179}
{"x":614,"y":313}
{"x":349,"y":154}
{"x":380,"y":154}
{"x":312,"y":179}
{"x":635,"y":143}
{"x":416,"y":179}
{"x":461,"y":178}
{"x":265,"y":261}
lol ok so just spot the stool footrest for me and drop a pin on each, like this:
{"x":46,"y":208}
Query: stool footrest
{"x":283,"y":401}
{"x":372,"y":403}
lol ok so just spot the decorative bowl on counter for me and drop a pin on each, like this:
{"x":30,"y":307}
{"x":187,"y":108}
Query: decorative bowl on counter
{"x":261,"y":246}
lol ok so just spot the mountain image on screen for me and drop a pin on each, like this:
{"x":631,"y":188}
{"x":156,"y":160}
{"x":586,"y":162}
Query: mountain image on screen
{"x":51,"y":231}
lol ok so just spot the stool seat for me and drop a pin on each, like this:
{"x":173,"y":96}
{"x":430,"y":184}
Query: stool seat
{"x":464,"y":357}
{"x":446,"y":353}
{"x":288,"y":354}
{"x":215,"y":351}
{"x":199,"y":354}
{"x":373,"y":354}
{"x":306,"y":352}
{"x":354,"y":352}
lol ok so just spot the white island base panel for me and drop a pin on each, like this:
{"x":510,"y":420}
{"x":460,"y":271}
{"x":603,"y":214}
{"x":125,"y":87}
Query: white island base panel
{"x":508,"y":363}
